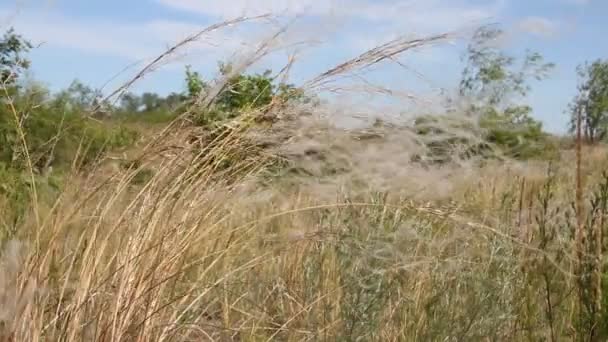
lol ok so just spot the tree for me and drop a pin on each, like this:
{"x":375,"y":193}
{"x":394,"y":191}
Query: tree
{"x":174,"y":100}
{"x":194,"y":83}
{"x":12,"y":61}
{"x":496,"y":84}
{"x":13,"y":47}
{"x":592,"y":101}
{"x":80,"y":96}
{"x":151,"y":101}
{"x":491,"y":78}
{"x":130,"y":103}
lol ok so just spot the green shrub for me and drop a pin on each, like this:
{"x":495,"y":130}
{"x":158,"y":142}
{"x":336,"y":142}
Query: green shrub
{"x":16,"y":196}
{"x":159,"y":116}
{"x":55,"y":135}
{"x":446,"y":138}
{"x":517,"y":134}
{"x":241,"y":92}
{"x":514,"y":134}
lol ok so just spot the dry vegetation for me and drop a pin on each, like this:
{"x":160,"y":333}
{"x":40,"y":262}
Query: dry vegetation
{"x":349,"y":239}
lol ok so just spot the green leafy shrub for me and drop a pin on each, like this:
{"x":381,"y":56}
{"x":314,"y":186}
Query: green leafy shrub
{"x":98,"y":138}
{"x":241,"y":92}
{"x":158,"y":116}
{"x":149,"y":108}
{"x":55,"y":133}
{"x":16,"y":196}
{"x":495,"y":135}
{"x":58,"y":136}
{"x":518,"y":135}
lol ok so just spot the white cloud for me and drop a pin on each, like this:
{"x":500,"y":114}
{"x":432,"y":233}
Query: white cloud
{"x":418,"y":14}
{"x":235,"y":8}
{"x":538,"y":26}
{"x":368,"y":23}
{"x":133,"y":41}
{"x":143,"y":40}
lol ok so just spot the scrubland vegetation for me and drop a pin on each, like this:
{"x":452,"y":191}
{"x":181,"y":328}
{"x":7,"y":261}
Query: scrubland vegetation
{"x":234,"y":210}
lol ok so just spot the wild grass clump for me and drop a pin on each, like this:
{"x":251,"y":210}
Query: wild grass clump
{"x":190,"y":257}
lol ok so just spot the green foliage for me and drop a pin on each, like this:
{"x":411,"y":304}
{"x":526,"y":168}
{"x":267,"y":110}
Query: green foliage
{"x":492,"y":78}
{"x":149,"y":108}
{"x":12,"y":61}
{"x":55,"y":131}
{"x":592,"y":101}
{"x":57,"y":136}
{"x":48,"y":131}
{"x":151,"y":101}
{"x":15,"y":196}
{"x":514,"y":133}
{"x":517,"y":134}
{"x":130,"y":103}
{"x":241,"y":92}
{"x":245,"y":91}
{"x":194,"y":83}
{"x":78,"y":96}
{"x":496,"y":85}
{"x":43,"y":131}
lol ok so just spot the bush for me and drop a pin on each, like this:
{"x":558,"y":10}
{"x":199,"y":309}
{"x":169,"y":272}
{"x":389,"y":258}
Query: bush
{"x":514,"y":134}
{"x":518,"y":135}
{"x":58,"y":136}
{"x":16,"y":196}
{"x":447,"y":139}
{"x":159,"y":116}
{"x":55,"y":133}
{"x":242,"y":92}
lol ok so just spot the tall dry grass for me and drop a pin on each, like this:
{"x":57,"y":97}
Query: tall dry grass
{"x":380,"y":248}
{"x":188,"y":256}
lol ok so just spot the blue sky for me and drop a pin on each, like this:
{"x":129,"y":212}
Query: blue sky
{"x":95,"y":40}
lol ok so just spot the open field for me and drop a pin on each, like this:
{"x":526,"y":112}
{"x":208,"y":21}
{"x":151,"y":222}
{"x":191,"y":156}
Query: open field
{"x":230,"y":221}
